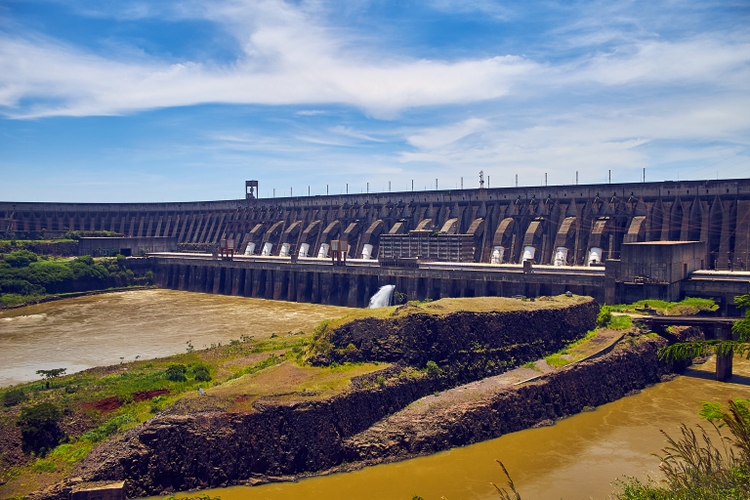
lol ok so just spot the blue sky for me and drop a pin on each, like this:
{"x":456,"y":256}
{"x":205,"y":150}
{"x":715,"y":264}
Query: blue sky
{"x":126,"y":101}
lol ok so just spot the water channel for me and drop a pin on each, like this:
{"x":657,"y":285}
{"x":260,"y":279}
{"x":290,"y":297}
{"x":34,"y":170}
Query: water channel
{"x":577,"y":458}
{"x":105,"y":329}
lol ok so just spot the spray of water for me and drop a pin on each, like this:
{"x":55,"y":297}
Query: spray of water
{"x":383,"y":297}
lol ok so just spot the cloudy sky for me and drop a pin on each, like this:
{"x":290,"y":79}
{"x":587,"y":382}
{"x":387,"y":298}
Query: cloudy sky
{"x":120,"y":100}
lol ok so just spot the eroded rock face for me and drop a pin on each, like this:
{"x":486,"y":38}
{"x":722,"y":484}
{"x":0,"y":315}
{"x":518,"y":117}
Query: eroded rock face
{"x":467,"y":345}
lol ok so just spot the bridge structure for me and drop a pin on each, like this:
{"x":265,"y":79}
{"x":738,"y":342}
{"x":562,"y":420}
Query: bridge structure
{"x":716,"y":328}
{"x":617,"y":242}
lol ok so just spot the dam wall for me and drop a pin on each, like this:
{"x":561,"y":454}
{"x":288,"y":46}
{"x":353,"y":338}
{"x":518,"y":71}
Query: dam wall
{"x":323,"y":283}
{"x":564,"y":225}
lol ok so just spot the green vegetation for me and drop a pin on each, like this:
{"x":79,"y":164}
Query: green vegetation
{"x":77,"y":235}
{"x":689,"y":306}
{"x":40,"y":428}
{"x":26,"y":276}
{"x":741,"y":329}
{"x":567,"y":354}
{"x":201,"y":373}
{"x":176,"y":373}
{"x":605,"y":319}
{"x":433,"y":369}
{"x":62,"y":422}
{"x":14,"y":397}
{"x":53,"y":373}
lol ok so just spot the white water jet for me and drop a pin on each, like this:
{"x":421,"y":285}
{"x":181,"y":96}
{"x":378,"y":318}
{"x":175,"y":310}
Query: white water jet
{"x":303,"y":249}
{"x":284,"y":250}
{"x":367,"y":251}
{"x":250,"y":248}
{"x":323,"y":252}
{"x":497,"y":255}
{"x":383,"y":297}
{"x":561,"y":256}
{"x":595,"y":256}
{"x":528,"y":253}
{"x":267,"y":248}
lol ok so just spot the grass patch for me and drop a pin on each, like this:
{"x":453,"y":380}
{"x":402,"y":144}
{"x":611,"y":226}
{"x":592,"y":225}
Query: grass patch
{"x":689,"y":306}
{"x":567,"y":354}
{"x":531,"y":365}
{"x":620,"y":323}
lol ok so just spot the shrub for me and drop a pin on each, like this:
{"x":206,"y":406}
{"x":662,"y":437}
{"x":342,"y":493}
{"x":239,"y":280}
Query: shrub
{"x":14,"y":397}
{"x":21,"y":258}
{"x":40,"y":428}
{"x":604,"y":317}
{"x":107,"y":428}
{"x":201,"y":373}
{"x":44,"y":466}
{"x":176,"y":373}
{"x":432,"y":368}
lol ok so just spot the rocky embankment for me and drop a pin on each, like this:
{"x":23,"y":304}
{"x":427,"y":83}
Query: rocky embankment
{"x":464,"y":345}
{"x":374,"y":420}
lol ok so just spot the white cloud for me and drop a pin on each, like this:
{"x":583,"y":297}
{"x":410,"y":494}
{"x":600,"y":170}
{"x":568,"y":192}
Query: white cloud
{"x":287,"y":59}
{"x":590,"y":142}
{"x":439,"y":137}
{"x":699,"y":59}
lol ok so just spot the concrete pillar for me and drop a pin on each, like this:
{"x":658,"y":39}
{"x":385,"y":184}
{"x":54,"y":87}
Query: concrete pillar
{"x":183,"y":270}
{"x":446,"y":287}
{"x":723,"y":363}
{"x":215,"y":285}
{"x":236,"y":281}
{"x":351,"y":299}
{"x":256,"y":284}
{"x":280,"y":279}
{"x":315,"y":293}
{"x":247,"y":289}
{"x":270,"y":281}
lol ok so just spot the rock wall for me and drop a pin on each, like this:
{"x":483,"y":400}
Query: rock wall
{"x":465,"y":345}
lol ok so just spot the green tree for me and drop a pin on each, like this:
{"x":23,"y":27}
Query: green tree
{"x":201,"y":373}
{"x":53,"y":373}
{"x":176,"y":373}
{"x":21,"y":258}
{"x":689,"y":350}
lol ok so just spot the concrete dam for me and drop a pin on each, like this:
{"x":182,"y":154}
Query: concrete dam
{"x":616,"y":242}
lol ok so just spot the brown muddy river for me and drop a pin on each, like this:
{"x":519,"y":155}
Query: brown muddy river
{"x":104,"y":329}
{"x":577,"y":458}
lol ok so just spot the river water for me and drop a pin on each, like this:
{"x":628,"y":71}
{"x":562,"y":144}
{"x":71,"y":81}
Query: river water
{"x":105,"y":329}
{"x":577,"y":458}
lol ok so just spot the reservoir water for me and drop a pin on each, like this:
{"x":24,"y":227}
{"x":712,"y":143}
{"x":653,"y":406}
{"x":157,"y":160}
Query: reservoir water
{"x":577,"y":458}
{"x":105,"y":329}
